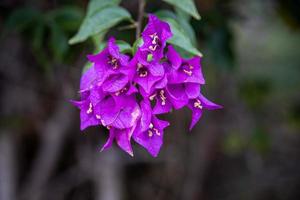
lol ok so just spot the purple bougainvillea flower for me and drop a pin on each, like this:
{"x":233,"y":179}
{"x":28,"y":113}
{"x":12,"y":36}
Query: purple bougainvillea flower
{"x":122,"y":137}
{"x":184,"y":70}
{"x":87,"y":117}
{"x":88,"y":80}
{"x":109,"y":61}
{"x":126,"y":96}
{"x":155,"y":36}
{"x":145,"y":74}
{"x":197,"y":105}
{"x":149,"y":131}
{"x":115,"y":82}
{"x":120,"y":111}
{"x":89,"y":98}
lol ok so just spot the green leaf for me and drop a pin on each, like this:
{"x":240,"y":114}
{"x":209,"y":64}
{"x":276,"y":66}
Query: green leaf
{"x":124,"y":46}
{"x":187,"y":6}
{"x":68,"y":17}
{"x":99,"y":22}
{"x":87,"y":66}
{"x":96,"y":5}
{"x":149,"y":57}
{"x":182,"y":19}
{"x":166,"y":14}
{"x":20,"y":19}
{"x":181,"y":39}
{"x":136,"y":45}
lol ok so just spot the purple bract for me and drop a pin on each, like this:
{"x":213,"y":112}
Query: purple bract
{"x":126,"y":95}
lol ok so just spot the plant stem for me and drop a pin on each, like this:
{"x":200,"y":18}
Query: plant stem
{"x":142,"y":4}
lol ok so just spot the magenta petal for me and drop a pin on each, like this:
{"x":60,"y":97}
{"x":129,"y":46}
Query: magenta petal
{"x":160,"y":124}
{"x":156,"y":69}
{"x":110,"y":140}
{"x":208,"y":104}
{"x":161,"y":108}
{"x":87,"y":79}
{"x":154,"y":142}
{"x":161,"y":83}
{"x":152,"y":145}
{"x":196,"y":115}
{"x":108,"y":111}
{"x":174,"y":57}
{"x":177,"y":76}
{"x":127,"y":117}
{"x":123,"y":137}
{"x":132,"y":89}
{"x":100,"y":57}
{"x":124,"y":59}
{"x":146,"y":115}
{"x":114,"y":82}
{"x":96,"y":95}
{"x":147,"y":82}
{"x":192,"y":90}
{"x":197,"y":73}
{"x":78,"y":104}
{"x":113,"y":48}
{"x":177,"y":95}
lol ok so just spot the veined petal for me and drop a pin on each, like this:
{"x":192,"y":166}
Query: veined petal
{"x":127,"y":117}
{"x":115,"y":82}
{"x":113,"y":48}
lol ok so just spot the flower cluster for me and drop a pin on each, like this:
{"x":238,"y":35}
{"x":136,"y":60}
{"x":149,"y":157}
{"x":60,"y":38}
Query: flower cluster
{"x":126,"y":95}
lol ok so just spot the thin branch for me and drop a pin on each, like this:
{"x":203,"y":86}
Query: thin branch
{"x":142,"y":4}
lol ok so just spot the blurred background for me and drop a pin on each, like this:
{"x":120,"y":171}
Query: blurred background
{"x":249,"y":150}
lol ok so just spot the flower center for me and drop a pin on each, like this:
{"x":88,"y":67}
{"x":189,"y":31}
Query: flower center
{"x":197,"y":104}
{"x":188,"y":69}
{"x":152,"y":130}
{"x":113,"y":62}
{"x":141,"y":70}
{"x":155,"y":42}
{"x":90,"y":109}
{"x":162,"y":97}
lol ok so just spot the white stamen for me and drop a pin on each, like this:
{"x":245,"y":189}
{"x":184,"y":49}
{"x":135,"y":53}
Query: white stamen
{"x":162,"y":97}
{"x":90,"y":110}
{"x":197,"y":104}
{"x":150,"y":133}
{"x":188,"y":72}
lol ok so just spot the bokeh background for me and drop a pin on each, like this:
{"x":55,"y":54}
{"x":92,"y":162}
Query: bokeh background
{"x":250,"y":150}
